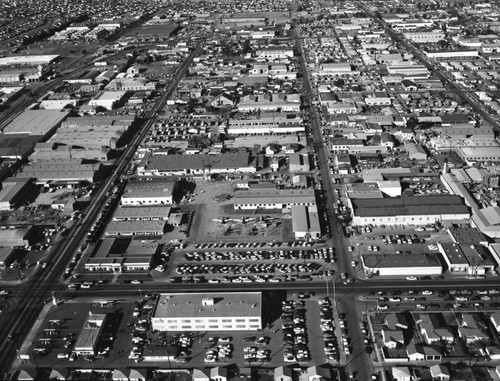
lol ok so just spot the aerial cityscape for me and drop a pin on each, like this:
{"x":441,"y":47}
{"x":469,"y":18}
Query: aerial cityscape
{"x":274,"y":190}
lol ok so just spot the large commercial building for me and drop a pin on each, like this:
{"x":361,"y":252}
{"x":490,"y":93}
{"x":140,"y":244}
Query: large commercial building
{"x":227,"y":311}
{"x":408,"y":210}
{"x":198,"y":164}
{"x":107,"y":99}
{"x":467,"y":259}
{"x":86,"y":343}
{"x":122,"y":255}
{"x":273,"y":198}
{"x":27,"y":60}
{"x":12,"y":192}
{"x":36,"y":122}
{"x":142,"y":193}
{"x":135,"y":228}
{"x":266,"y":123}
{"x":401,"y":265}
{"x":69,"y":171}
{"x":16,"y":237}
{"x":305,"y":222}
{"x":141,"y":213}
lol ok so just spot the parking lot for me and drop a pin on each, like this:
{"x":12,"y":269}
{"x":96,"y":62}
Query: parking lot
{"x":298,"y":334}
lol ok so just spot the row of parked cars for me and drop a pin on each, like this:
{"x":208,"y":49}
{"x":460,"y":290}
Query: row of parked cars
{"x":294,"y":328}
{"x":328,"y":329}
{"x":259,"y":268}
{"x":324,"y":254}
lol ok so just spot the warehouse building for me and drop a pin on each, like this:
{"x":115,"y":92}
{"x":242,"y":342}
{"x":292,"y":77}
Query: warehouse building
{"x":86,"y":343}
{"x":401,"y":264}
{"x":273,"y":198}
{"x":119,"y":255}
{"x":135,"y":228}
{"x":305,"y":222}
{"x":36,"y":122}
{"x":142,"y":193}
{"x":70,"y":171}
{"x":408,"y":210}
{"x":199,"y":164}
{"x":16,"y":237}
{"x":240,"y":311}
{"x":108,"y":99}
{"x":13,"y":191}
{"x":467,"y":259}
{"x":141,"y":213}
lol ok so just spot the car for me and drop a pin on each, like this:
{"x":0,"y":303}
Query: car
{"x":86,"y":284}
{"x":411,"y":278}
{"x":427,"y":292}
{"x":136,"y":281}
{"x":4,"y":292}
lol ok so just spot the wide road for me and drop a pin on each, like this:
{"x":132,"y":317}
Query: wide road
{"x":34,"y":293}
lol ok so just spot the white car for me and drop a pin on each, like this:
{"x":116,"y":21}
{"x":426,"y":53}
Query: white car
{"x":426,"y":292}
{"x":411,"y":278}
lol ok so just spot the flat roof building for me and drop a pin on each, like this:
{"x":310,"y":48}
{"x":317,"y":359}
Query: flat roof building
{"x":87,"y":340}
{"x":36,"y":122}
{"x":121,"y":255}
{"x":273,"y":198}
{"x":12,"y":191}
{"x":198,"y":164}
{"x":142,"y":193}
{"x":305,"y":222}
{"x":411,"y":210}
{"x":135,"y":228}
{"x":16,"y":237}
{"x":467,"y":259}
{"x":401,"y":264}
{"x":141,"y":213}
{"x":240,"y":311}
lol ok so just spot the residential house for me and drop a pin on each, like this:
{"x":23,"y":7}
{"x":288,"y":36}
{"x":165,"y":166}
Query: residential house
{"x":440,"y":372}
{"x":401,"y":374}
{"x":201,"y":375}
{"x":219,"y":373}
{"x":318,"y":373}
{"x":392,"y":338}
{"x":283,"y":373}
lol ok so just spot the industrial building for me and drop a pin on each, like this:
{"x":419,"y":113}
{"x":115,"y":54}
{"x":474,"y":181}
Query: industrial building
{"x":228,"y":311}
{"x":408,"y":210}
{"x":467,"y":259}
{"x":36,"y":122}
{"x":142,"y":193}
{"x":87,"y":340}
{"x":135,"y":228}
{"x":198,"y":164}
{"x":305,"y":221}
{"x":119,"y":255}
{"x":141,"y":213}
{"x":12,"y":192}
{"x":70,"y":171}
{"x":267,"y":123}
{"x":401,"y":264}
{"x":16,"y":236}
{"x":107,"y":99}
{"x":273,"y":198}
